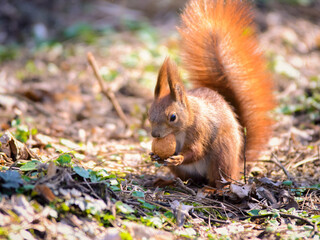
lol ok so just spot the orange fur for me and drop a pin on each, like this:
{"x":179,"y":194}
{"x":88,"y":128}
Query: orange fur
{"x":232,"y":90}
{"x":220,"y":52}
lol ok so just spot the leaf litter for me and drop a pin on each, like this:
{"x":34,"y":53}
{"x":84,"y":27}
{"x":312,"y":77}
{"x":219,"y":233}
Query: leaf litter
{"x":69,"y":171}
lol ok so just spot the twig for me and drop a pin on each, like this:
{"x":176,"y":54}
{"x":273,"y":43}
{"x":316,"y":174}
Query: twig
{"x":210,"y":219}
{"x":284,"y":215}
{"x":256,"y":217}
{"x":107,"y":91}
{"x":92,"y":191}
{"x":306,"y":161}
{"x":184,"y":187}
{"x":314,"y":225}
{"x":276,"y":161}
{"x":244,"y":156}
{"x":221,"y":172}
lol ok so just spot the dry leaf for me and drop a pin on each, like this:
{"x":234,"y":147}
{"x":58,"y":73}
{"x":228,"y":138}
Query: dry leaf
{"x":180,"y":210}
{"x":265,"y":193}
{"x":45,"y":191}
{"x":52,"y":169}
{"x":241,"y":191}
{"x":15,"y":149}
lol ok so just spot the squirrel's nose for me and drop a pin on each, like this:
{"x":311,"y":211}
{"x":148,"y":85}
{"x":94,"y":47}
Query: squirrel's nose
{"x":155,"y":134}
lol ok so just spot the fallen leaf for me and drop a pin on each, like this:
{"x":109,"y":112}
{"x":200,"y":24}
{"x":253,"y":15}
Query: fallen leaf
{"x":52,"y":169}
{"x":30,"y":166}
{"x":266,"y":180}
{"x":45,"y":191}
{"x":81,"y":172}
{"x":241,"y":191}
{"x":14,"y":148}
{"x":10,"y":180}
{"x":180,"y":211}
{"x":265,"y":193}
{"x":139,"y":231}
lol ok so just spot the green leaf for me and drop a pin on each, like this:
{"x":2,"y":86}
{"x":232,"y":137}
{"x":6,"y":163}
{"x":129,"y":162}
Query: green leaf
{"x":108,"y":217}
{"x":124,"y":208}
{"x":49,"y":145}
{"x":114,"y":182}
{"x":22,"y":133}
{"x":34,"y":131}
{"x":148,"y":206}
{"x":264,"y":212}
{"x":112,"y":176}
{"x":169,"y":214}
{"x":270,"y":229}
{"x":93,"y":176}
{"x":315,"y":218}
{"x":254,"y":212}
{"x":8,"y":52}
{"x":81,"y":172}
{"x":108,"y":74}
{"x":138,"y":194}
{"x":103,"y":174}
{"x":287,"y":183}
{"x":131,"y":217}
{"x":125,"y":236}
{"x":15,"y":122}
{"x":156,"y":221}
{"x":11,"y":179}
{"x":65,"y":207}
{"x":276,"y":214}
{"x":30,"y":166}
{"x":115,"y":188}
{"x":156,"y":164}
{"x":64,"y":160}
{"x":28,"y":187}
{"x":84,"y":31}
{"x":26,"y":178}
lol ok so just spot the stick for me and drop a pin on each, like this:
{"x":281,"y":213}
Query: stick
{"x":184,"y":187}
{"x":312,"y":159}
{"x":284,"y":215}
{"x":107,"y":92}
{"x":244,"y":156}
{"x":275,"y":160}
{"x":210,"y":220}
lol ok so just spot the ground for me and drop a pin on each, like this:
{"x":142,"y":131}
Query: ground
{"x":71,"y":169}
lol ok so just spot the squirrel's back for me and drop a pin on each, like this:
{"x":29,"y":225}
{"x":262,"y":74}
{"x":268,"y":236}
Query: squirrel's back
{"x":220,"y":52}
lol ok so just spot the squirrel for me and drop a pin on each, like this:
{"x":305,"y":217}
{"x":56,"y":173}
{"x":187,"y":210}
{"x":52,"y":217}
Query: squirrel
{"x":232,"y":91}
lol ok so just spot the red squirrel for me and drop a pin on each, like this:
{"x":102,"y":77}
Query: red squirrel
{"x":232,"y":91}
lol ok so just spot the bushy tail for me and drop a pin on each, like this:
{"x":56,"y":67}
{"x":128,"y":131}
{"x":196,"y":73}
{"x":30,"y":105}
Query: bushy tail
{"x":220,"y":52}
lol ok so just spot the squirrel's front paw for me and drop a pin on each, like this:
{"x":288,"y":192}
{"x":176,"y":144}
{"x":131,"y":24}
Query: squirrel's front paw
{"x":155,"y":157}
{"x":174,"y":160}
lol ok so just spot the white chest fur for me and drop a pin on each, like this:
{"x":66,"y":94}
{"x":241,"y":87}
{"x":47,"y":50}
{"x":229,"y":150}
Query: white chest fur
{"x":197,"y":168}
{"x":180,"y":138}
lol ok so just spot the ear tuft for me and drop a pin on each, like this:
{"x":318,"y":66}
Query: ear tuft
{"x":162,"y":87}
{"x":169,"y":81}
{"x":177,"y":91}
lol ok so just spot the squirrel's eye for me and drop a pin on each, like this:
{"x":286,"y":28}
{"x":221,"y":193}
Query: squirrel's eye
{"x":173,"y":117}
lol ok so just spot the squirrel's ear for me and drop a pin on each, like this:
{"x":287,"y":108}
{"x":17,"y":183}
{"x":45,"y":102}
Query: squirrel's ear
{"x":162,"y":87}
{"x":177,"y":91}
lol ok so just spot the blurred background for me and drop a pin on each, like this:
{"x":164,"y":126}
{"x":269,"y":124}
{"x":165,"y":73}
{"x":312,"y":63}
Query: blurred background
{"x":45,"y":79}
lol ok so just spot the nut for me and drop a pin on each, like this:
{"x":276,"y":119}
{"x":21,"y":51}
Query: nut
{"x":164,"y":147}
